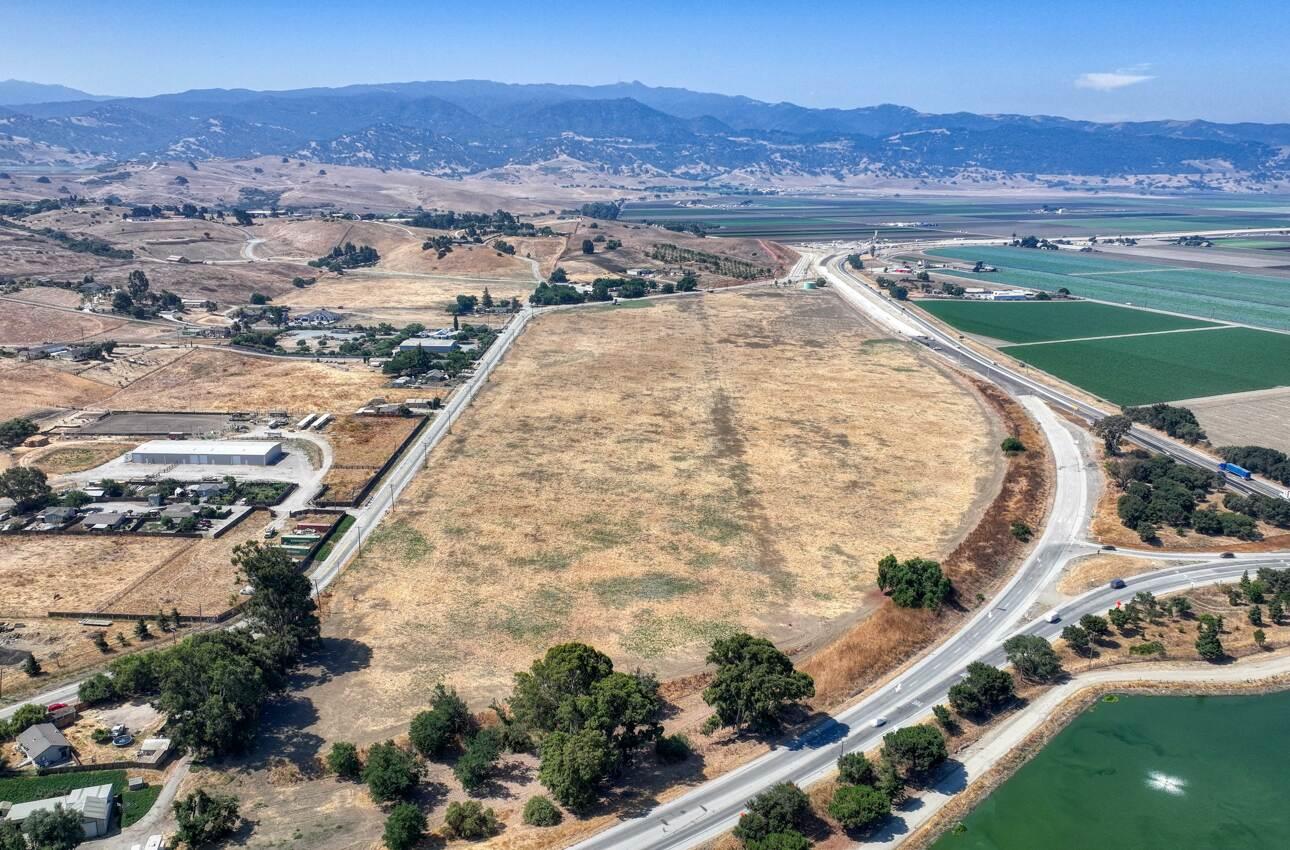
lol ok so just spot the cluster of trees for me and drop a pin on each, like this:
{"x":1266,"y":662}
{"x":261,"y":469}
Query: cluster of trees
{"x":551,"y":294}
{"x":953,"y":289}
{"x":1034,"y":242}
{"x":441,"y":245}
{"x":855,"y":261}
{"x":1271,"y":510}
{"x":347,"y":256}
{"x":22,"y":209}
{"x":915,"y":583}
{"x":85,"y":244}
{"x":14,"y":431}
{"x":58,"y":829}
{"x":1159,"y":491}
{"x":28,"y":486}
{"x":985,"y":690}
{"x":601,"y":209}
{"x":718,"y":264}
{"x":1178,"y":422}
{"x":1258,"y":459}
{"x":775,"y":819}
{"x":203,"y":818}
{"x":138,"y":300}
{"x":417,"y":361}
{"x":213,"y":685}
{"x":478,"y":225}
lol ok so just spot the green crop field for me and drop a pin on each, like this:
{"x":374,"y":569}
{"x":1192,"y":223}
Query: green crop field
{"x":1166,"y":367}
{"x":1040,"y":321}
{"x":1225,"y":296}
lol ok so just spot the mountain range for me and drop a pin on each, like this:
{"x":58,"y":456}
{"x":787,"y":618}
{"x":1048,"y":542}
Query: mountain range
{"x":468,"y":126}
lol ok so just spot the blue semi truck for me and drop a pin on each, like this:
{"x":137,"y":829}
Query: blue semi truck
{"x":1233,"y":469}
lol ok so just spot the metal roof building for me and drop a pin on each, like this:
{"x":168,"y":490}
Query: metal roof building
{"x":208,"y":452}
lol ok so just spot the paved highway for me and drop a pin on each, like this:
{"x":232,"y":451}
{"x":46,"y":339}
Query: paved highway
{"x":713,"y":808}
{"x":910,"y":323}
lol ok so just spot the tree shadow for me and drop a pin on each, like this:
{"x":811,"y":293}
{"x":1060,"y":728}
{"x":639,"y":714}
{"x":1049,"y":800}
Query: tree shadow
{"x":282,"y":735}
{"x":648,"y":778}
{"x":336,"y":657}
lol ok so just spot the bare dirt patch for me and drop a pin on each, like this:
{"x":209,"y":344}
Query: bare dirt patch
{"x":624,"y":464}
{"x":1257,"y":418}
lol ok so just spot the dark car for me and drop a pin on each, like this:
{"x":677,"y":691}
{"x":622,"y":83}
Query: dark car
{"x":1108,"y":548}
{"x":1227,"y":555}
{"x":1117,"y":584}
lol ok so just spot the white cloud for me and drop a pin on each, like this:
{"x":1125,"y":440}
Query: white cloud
{"x":1112,"y":80}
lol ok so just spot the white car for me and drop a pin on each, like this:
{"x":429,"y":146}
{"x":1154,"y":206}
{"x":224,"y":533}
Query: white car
{"x":878,"y":721}
{"x":1054,"y":617}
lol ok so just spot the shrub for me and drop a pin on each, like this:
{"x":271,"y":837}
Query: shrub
{"x":787,"y":840}
{"x":1154,"y":647}
{"x":205,"y":818}
{"x":404,"y":827}
{"x":475,"y":766}
{"x":435,"y":731}
{"x":778,"y":809}
{"x":855,"y":769}
{"x":471,"y":821}
{"x":343,"y":760}
{"x":858,"y":806}
{"x":1012,"y":445}
{"x":540,"y":811}
{"x":672,"y":749}
{"x":915,"y":750}
{"x":390,"y":772}
{"x":97,"y":688}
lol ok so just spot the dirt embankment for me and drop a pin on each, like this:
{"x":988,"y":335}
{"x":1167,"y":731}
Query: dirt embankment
{"x":874,"y":647}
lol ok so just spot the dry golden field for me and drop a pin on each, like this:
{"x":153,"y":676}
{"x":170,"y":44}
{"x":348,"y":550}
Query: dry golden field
{"x":62,"y":458}
{"x":211,"y":379}
{"x":32,"y":324}
{"x":39,"y":386}
{"x":651,"y":477}
{"x":362,"y":445}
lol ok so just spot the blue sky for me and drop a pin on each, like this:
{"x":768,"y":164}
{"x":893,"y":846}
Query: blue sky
{"x":1099,"y":59}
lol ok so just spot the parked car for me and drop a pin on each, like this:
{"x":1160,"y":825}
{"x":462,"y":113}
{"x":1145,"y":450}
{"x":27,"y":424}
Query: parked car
{"x":1117,"y":584}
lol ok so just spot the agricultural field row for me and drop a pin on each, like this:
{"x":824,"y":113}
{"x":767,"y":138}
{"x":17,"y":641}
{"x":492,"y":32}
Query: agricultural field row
{"x":1131,"y":370}
{"x":1043,"y":321}
{"x":1141,"y":357}
{"x":1225,"y":296}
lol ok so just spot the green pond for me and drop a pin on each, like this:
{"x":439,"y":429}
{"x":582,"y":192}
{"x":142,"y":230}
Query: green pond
{"x":1148,"y":773}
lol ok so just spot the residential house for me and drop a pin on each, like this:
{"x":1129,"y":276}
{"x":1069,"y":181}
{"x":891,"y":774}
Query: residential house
{"x":93,"y":804}
{"x":105,"y":521}
{"x":321,"y":317}
{"x":57,"y":516}
{"x":44,"y":745}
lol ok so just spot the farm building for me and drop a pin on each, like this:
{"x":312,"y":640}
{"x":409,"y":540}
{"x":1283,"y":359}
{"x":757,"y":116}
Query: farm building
{"x":434,"y":345}
{"x":212,"y":452}
{"x":93,"y":804}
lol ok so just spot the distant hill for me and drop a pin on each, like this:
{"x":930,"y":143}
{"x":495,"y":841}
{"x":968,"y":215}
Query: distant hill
{"x":468,"y":126}
{"x":21,"y":92}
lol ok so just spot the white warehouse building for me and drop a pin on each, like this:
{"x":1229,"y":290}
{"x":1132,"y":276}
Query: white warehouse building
{"x":209,"y":452}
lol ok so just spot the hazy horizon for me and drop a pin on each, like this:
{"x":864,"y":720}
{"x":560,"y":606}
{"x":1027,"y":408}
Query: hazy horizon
{"x":1155,"y":60}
